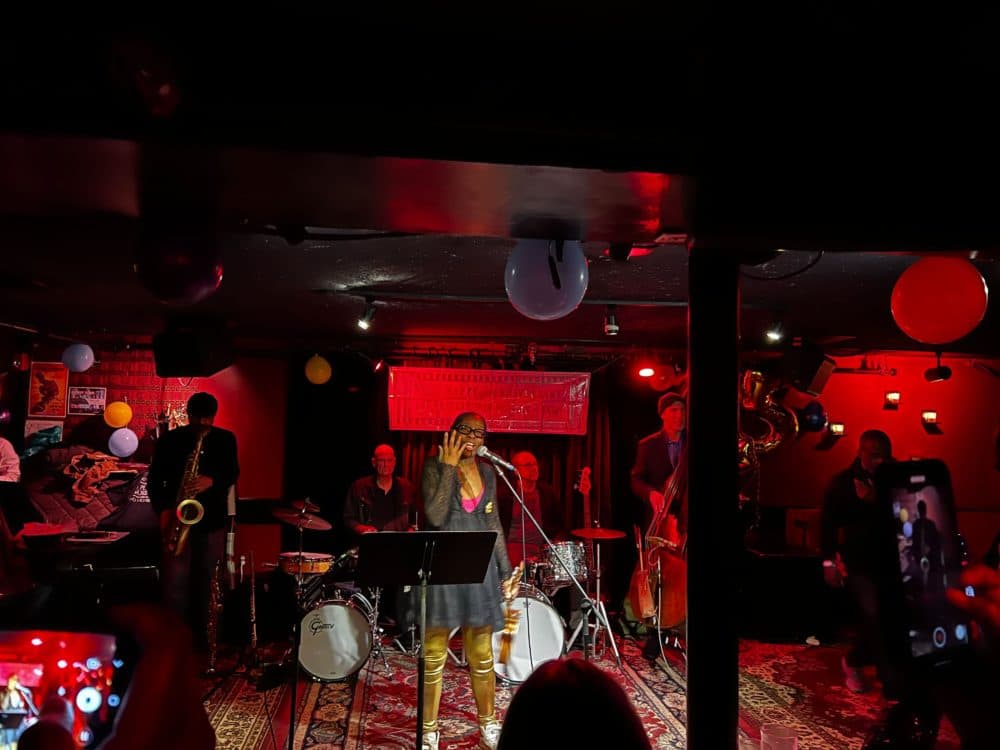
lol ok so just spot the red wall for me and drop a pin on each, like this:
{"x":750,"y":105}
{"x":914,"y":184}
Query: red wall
{"x":968,"y":407}
{"x":252,"y":396}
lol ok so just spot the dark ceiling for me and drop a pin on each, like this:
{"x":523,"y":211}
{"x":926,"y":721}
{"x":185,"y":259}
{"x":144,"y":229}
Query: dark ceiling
{"x":819,"y":132}
{"x":76,"y":278}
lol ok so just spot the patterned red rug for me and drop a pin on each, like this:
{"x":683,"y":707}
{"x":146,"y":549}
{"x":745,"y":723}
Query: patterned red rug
{"x":795,"y":685}
{"x":383,"y":711}
{"x":803,"y":687}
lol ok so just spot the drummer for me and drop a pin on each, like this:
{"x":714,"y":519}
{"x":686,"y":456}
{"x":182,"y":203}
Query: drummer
{"x":523,"y":540}
{"x":380,"y":501}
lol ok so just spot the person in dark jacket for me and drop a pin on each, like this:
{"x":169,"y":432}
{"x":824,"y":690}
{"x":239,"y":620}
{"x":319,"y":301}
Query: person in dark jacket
{"x":187,"y":576}
{"x":849,"y":542}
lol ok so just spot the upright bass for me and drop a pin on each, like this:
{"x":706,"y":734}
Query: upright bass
{"x":662,"y":567}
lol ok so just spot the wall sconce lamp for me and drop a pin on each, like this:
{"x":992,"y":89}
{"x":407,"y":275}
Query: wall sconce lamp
{"x":834,"y":432}
{"x":365,"y":321}
{"x":929,"y":420}
{"x":892,"y":399}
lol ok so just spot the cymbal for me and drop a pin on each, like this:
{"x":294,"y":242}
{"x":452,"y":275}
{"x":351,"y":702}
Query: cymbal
{"x":302,"y":520}
{"x":305,"y":505}
{"x":598,"y":534}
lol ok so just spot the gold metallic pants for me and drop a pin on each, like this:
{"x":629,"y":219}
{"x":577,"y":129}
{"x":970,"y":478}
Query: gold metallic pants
{"x":479,"y":652}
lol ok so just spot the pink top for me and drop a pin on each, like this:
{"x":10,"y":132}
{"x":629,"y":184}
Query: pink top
{"x":469,"y":503}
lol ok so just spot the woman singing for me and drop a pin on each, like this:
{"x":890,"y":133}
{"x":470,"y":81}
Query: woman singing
{"x":460,"y":495}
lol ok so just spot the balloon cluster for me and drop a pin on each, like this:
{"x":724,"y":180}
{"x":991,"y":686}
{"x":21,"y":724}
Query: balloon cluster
{"x":123,"y":441}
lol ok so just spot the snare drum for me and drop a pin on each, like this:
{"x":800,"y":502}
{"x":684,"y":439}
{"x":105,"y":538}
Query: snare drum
{"x":539,"y":638}
{"x":553,"y":575}
{"x":336,"y":638}
{"x":310,"y":563}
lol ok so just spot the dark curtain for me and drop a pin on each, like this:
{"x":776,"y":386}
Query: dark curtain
{"x":560,"y":457}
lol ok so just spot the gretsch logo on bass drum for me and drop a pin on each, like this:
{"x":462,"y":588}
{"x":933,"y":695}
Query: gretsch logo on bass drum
{"x":317,"y":624}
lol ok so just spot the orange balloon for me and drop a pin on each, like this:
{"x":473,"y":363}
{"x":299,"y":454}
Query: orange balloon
{"x":938,"y":300}
{"x":117,"y":414}
{"x":318,"y":370}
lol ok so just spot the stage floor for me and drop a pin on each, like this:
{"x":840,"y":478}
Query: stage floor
{"x":796,"y":685}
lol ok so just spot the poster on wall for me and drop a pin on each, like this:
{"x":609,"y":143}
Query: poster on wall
{"x":47,"y":389}
{"x":87,"y":400}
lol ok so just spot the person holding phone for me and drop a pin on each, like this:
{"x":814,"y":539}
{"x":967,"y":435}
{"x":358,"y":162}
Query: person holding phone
{"x":460,"y":494}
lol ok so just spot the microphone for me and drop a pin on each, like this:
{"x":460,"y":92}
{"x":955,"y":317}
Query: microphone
{"x":485,"y":452}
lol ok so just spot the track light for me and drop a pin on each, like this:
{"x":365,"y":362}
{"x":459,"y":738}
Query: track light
{"x":610,"y":322}
{"x":365,"y":321}
{"x":774,"y":334}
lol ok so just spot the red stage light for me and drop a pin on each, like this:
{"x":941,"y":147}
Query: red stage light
{"x":646,"y":372}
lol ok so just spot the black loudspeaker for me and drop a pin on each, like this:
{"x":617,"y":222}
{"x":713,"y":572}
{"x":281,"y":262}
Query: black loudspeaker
{"x":186,"y":352}
{"x":808,"y":369}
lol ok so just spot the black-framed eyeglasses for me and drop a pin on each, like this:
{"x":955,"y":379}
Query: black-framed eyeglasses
{"x":464,"y":429}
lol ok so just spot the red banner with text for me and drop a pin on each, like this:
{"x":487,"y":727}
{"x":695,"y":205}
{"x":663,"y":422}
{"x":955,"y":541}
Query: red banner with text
{"x":429,"y":398}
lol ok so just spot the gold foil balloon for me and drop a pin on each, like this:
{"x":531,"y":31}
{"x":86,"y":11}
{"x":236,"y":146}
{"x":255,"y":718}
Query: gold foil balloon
{"x":318,"y":370}
{"x":117,"y":414}
{"x":765,"y":423}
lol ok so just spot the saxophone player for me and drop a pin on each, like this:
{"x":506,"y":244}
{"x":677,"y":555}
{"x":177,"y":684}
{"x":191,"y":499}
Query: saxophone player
{"x":197,"y":461}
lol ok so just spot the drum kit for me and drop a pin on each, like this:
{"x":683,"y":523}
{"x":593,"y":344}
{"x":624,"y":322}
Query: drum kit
{"x":541,"y":634}
{"x":338,"y":626}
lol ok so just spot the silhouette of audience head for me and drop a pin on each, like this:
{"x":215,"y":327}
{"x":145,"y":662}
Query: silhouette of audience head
{"x":54,"y":728}
{"x":596,"y":711}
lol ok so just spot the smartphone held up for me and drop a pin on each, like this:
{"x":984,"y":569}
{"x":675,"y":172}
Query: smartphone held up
{"x":79,"y":676}
{"x":921,"y":531}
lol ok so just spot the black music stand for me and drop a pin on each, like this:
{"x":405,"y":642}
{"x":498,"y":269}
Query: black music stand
{"x":424,"y":558}
{"x":12,"y":719}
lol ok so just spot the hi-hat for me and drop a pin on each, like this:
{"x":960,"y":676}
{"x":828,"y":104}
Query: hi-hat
{"x":598,"y":534}
{"x":302,"y":520}
{"x":306,"y":505}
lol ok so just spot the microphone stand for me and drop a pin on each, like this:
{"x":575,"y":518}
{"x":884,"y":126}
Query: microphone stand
{"x":588,"y":605}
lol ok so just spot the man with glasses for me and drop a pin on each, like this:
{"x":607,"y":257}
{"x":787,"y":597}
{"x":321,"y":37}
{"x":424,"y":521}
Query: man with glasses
{"x":380,"y":501}
{"x":523,"y":539}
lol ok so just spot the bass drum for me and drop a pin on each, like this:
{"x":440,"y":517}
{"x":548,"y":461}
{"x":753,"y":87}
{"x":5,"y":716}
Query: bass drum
{"x":336,"y":638}
{"x":540,"y":636}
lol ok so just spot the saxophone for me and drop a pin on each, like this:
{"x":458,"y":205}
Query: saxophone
{"x":188,"y":511}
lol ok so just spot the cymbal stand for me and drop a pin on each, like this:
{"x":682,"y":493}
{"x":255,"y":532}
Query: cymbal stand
{"x":599,"y":622}
{"x":296,"y":641}
{"x":377,"y":632}
{"x":588,"y":605}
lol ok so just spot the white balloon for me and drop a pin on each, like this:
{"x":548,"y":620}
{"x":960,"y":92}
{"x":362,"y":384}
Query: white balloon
{"x":123,"y":442}
{"x":540,"y":285}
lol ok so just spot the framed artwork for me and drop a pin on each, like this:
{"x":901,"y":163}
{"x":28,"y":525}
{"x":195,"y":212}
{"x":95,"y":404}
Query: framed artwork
{"x":85,"y":400}
{"x":47,"y":390}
